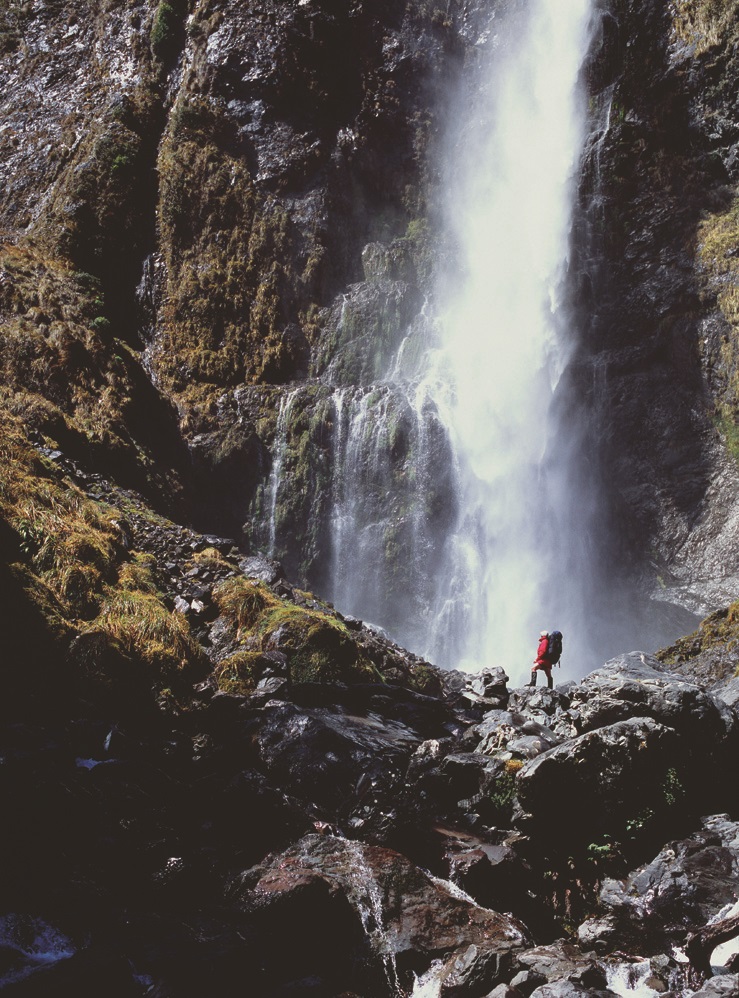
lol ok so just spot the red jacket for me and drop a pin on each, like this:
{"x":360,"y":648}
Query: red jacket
{"x":542,"y":654}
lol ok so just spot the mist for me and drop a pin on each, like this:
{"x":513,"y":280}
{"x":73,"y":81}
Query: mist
{"x":512,"y":163}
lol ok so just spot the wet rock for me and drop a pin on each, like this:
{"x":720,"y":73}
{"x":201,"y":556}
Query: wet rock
{"x":598,"y":934}
{"x":490,"y":684}
{"x":330,"y":757}
{"x":562,"y":962}
{"x":409,"y":918}
{"x":569,"y":989}
{"x":719,"y":987}
{"x":618,"y":768}
{"x":508,"y":735}
{"x":257,"y":567}
{"x":728,"y":691}
{"x":684,"y":887}
{"x":636,"y":685}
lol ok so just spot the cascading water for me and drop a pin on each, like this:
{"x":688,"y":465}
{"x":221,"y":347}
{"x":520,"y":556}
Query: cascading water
{"x":505,"y":343}
{"x":441,"y":517}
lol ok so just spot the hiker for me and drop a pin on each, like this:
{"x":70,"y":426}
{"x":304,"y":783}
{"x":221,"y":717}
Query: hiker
{"x":547,"y":654}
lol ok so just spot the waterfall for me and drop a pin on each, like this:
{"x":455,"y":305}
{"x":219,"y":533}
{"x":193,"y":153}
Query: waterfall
{"x":276,"y":478}
{"x":454,"y":502}
{"x":505,"y":342}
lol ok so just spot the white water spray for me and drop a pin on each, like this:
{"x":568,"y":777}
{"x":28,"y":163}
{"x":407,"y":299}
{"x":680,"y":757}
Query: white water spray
{"x":443,"y":524}
{"x":503,"y":343}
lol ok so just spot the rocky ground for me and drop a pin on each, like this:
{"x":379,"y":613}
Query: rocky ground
{"x":365,"y":824}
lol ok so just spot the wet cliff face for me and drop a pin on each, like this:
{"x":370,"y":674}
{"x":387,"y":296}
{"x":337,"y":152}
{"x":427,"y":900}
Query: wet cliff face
{"x":657,"y":241}
{"x":207,"y":206}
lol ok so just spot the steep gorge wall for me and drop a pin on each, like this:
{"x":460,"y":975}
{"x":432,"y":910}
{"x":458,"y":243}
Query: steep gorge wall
{"x":656,"y":244}
{"x":205,"y":206}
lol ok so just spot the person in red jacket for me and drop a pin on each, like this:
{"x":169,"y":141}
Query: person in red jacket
{"x":542,"y":660}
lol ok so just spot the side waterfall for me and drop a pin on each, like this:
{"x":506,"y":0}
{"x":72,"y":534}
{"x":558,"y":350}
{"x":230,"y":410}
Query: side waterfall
{"x":443,"y":517}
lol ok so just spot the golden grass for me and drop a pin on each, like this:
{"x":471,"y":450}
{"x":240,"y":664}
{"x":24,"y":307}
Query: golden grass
{"x":705,"y":23}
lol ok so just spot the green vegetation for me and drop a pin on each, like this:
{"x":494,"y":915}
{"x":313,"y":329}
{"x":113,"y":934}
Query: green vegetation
{"x":166,"y":27}
{"x":705,"y":23}
{"x":234,"y":273}
{"x":720,"y":630}
{"x":318,"y":646}
{"x":240,"y":672}
{"x":718,"y":254}
{"x":425,"y":680}
{"x":75,"y":571}
{"x":503,"y":793}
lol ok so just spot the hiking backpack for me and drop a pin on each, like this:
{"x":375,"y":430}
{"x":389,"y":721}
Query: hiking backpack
{"x":554,"y":647}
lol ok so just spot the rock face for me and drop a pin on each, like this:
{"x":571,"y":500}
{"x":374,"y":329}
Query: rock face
{"x":688,"y":884}
{"x":189,"y":335}
{"x":663,"y":174}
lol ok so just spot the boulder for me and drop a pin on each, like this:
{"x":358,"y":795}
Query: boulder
{"x":569,"y":989}
{"x":636,"y":685}
{"x":409,"y":918}
{"x":728,"y":691}
{"x":595,"y":784}
{"x":335,"y":760}
{"x":510,"y":735}
{"x":686,"y":886}
{"x":726,"y":986}
{"x":562,"y":962}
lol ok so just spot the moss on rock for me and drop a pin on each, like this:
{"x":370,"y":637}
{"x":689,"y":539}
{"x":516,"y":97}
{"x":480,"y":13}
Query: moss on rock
{"x":318,"y":646}
{"x":718,"y":633}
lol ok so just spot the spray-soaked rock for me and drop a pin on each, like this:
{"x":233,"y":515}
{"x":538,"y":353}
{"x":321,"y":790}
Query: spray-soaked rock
{"x":688,"y":884}
{"x":637,"y":685}
{"x":409,"y":918}
{"x":572,"y":792}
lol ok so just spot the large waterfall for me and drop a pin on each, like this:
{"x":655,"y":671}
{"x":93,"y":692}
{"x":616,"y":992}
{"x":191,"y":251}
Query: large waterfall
{"x":455,"y":511}
{"x":510,"y":570}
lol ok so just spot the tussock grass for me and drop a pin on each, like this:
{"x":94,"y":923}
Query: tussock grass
{"x":244,"y":601}
{"x":705,"y":23}
{"x":74,"y":569}
{"x":718,"y":254}
{"x":719,"y":630}
{"x":318,"y":646}
{"x":239,"y":673}
{"x":141,"y":624}
{"x":71,"y":543}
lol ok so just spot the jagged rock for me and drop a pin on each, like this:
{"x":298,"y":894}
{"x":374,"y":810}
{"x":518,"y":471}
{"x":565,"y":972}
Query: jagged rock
{"x":410,"y":919}
{"x":490,"y":683}
{"x":719,"y":987}
{"x":328,"y":757}
{"x":636,"y":685}
{"x":562,"y":962}
{"x":583,"y":782}
{"x":598,"y":934}
{"x":510,"y":735}
{"x":569,"y":989}
{"x":257,"y":567}
{"x":684,"y":887}
{"x":506,"y":991}
{"x":728,"y":691}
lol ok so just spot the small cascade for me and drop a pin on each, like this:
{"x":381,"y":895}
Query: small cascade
{"x":276,"y":480}
{"x":629,"y":980}
{"x":385,"y":496}
{"x":428,"y":985}
{"x":367,"y":897}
